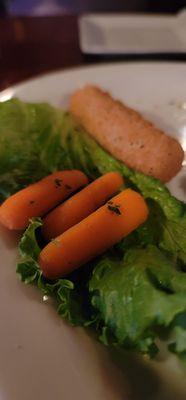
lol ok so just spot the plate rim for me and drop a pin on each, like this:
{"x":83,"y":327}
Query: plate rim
{"x":93,"y":66}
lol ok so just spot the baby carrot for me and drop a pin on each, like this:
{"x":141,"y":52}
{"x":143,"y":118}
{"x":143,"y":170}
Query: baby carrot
{"x":37,"y":199}
{"x":81,"y":204}
{"x":93,"y":235}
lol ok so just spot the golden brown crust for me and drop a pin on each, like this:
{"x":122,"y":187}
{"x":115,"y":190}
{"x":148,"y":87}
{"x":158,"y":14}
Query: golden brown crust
{"x":126,"y":134}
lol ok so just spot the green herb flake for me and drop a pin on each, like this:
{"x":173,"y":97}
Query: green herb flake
{"x":58,"y":182}
{"x":114,"y":208}
{"x":56,"y":242}
{"x":68,"y":186}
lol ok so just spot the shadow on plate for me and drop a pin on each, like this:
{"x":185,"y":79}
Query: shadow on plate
{"x":183,"y":184}
{"x":149,"y":380}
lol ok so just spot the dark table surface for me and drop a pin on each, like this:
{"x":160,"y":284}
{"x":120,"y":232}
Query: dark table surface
{"x":33,"y":45}
{"x":30,"y":46}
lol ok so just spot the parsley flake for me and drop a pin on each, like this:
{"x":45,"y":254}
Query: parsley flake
{"x":56,"y":242}
{"x":114,"y":208}
{"x":68,"y":186}
{"x":58,"y":182}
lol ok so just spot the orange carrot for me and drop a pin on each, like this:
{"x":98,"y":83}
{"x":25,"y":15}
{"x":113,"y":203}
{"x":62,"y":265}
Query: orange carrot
{"x":37,"y":199}
{"x":93,"y":235}
{"x":81,"y":205}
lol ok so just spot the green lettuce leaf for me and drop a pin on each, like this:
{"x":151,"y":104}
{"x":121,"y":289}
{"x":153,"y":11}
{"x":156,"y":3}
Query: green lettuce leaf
{"x":29,"y":144}
{"x":137,"y":296}
{"x":37,"y":139}
{"x":178,"y":336}
{"x":68,"y":298}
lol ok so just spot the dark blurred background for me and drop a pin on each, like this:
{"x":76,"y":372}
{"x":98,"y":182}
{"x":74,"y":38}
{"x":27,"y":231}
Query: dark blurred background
{"x":38,"y":36}
{"x":57,"y":7}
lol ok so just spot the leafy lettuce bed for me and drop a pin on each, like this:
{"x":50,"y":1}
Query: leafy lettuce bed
{"x":136,"y":292}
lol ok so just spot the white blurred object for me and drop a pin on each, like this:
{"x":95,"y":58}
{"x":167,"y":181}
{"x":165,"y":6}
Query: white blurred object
{"x":132,"y":34}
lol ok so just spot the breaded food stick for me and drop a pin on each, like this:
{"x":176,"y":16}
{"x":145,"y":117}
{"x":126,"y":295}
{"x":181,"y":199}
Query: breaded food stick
{"x":126,"y":134}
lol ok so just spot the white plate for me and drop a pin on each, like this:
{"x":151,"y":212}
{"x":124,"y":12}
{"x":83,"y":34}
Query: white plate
{"x":132,"y":34}
{"x":41,"y":357}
